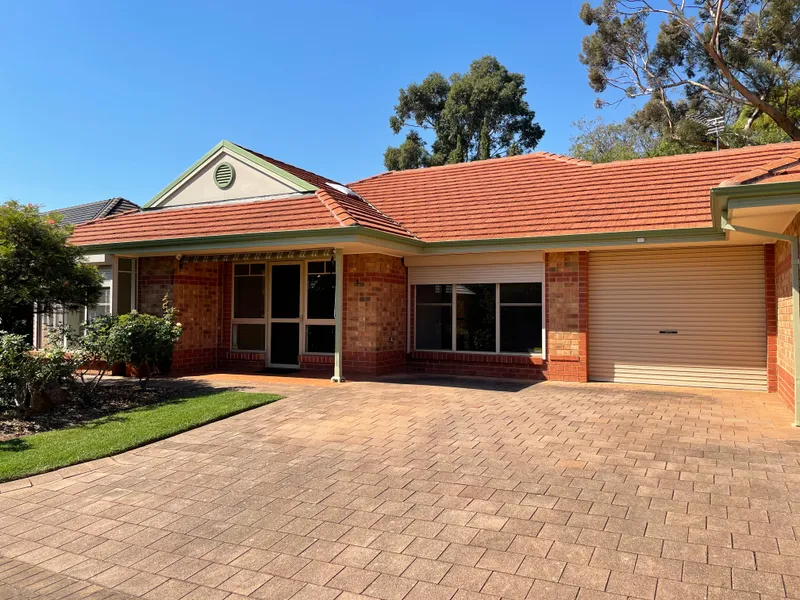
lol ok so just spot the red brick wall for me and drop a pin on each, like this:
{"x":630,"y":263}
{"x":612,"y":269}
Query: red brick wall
{"x":567,"y":284}
{"x":197,"y":299}
{"x":155,"y":280}
{"x":194,"y":290}
{"x":374,"y":321}
{"x":374,"y":314}
{"x":783,"y":299}
{"x":771,"y":316}
{"x":567,"y":319}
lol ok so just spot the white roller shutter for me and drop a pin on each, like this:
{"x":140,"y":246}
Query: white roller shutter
{"x":503,"y":273}
{"x":687,"y":317}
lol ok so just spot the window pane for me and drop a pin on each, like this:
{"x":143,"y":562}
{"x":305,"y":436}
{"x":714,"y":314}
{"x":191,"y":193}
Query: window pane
{"x":248,"y":297}
{"x":435,"y":293}
{"x":241,"y":269}
{"x":106,"y":273}
{"x":125,"y":264}
{"x":248,"y":337}
{"x":321,"y":296}
{"x":475,"y":317}
{"x":322,"y":267}
{"x":320,"y":338}
{"x":521,"y":329}
{"x":259,"y":269}
{"x":520,"y":293}
{"x":124,"y":291}
{"x":286,"y":292}
{"x":434,"y":327}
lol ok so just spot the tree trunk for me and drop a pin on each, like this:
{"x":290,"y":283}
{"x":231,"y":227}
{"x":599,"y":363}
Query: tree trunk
{"x":781,"y":120}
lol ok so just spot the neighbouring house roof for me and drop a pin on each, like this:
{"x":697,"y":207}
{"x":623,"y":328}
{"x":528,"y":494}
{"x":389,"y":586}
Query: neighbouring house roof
{"x":534,"y":195}
{"x":82,"y":213}
{"x":544,"y":194}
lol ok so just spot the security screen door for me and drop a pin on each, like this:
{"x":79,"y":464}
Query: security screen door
{"x":285,"y":316}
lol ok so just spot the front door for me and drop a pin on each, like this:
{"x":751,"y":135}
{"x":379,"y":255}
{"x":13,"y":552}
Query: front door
{"x":285,"y":316}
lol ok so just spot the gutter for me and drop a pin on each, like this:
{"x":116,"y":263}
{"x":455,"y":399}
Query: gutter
{"x":795,"y":245}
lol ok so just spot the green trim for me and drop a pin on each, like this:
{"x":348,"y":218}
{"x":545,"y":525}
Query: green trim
{"x":582,"y":240}
{"x":735,"y":203}
{"x":752,"y":195}
{"x":403,"y":245}
{"x":242,"y":153}
{"x":248,"y":240}
{"x":301,"y":183}
{"x":758,"y":190}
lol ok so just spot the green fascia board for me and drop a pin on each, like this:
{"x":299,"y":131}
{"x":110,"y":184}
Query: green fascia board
{"x":222,"y":243}
{"x":239,"y":151}
{"x":752,"y":195}
{"x":405,"y":245}
{"x":580,"y":240}
{"x":301,"y":183}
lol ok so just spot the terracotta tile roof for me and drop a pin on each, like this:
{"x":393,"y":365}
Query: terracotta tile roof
{"x":784,"y":175}
{"x":543,"y":194}
{"x":349,"y":210}
{"x":534,"y":195}
{"x":312,"y":178}
{"x":327,"y":207}
{"x":226,"y":218}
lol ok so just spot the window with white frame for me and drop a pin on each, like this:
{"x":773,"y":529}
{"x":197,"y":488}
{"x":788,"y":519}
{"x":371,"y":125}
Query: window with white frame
{"x":126,"y":285}
{"x":249,"y":302}
{"x":47,"y":323}
{"x":320,"y":307}
{"x":500,"y":318}
{"x":103,"y":306}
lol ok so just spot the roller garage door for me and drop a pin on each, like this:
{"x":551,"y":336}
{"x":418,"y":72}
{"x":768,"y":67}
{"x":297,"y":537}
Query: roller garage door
{"x":687,"y":317}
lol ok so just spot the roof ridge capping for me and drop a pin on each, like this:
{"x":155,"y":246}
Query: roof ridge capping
{"x":476,"y":163}
{"x":570,"y":160}
{"x":328,"y":198}
{"x":790,"y":159}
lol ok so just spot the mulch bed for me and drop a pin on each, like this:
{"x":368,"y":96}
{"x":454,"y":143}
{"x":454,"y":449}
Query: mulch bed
{"x":108,"y":398}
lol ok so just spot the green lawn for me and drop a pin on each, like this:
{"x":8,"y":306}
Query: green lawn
{"x":121,"y":431}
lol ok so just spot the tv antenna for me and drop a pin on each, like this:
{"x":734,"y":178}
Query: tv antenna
{"x":714,"y":125}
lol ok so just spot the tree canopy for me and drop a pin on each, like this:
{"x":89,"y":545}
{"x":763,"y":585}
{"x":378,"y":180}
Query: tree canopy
{"x":738,"y":59}
{"x":472,"y":116}
{"x":38,"y":265}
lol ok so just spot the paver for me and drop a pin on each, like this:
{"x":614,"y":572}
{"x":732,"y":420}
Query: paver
{"x":404,"y":491}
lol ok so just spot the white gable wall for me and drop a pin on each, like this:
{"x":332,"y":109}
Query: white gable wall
{"x":251,"y":181}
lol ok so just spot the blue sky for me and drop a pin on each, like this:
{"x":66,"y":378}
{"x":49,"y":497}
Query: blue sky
{"x":105,"y":99}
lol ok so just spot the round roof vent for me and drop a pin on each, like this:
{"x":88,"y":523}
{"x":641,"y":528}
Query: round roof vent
{"x":224,"y":175}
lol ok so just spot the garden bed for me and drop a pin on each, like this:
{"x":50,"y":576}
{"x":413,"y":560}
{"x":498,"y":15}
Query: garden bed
{"x":108,"y":398}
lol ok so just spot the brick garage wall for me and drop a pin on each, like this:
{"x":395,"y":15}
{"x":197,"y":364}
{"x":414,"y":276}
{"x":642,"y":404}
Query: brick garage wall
{"x":374,"y":314}
{"x":783,"y":298}
{"x":771,"y":316}
{"x":567,"y":319}
{"x":567,"y":284}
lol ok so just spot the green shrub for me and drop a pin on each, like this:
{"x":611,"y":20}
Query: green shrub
{"x":143,"y":341}
{"x":31,"y":380}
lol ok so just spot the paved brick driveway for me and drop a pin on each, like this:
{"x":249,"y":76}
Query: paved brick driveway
{"x":422,"y":492}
